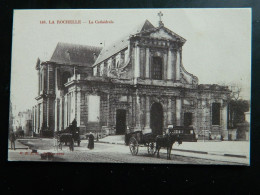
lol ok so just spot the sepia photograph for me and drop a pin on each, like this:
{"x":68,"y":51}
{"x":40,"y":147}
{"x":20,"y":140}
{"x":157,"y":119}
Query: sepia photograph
{"x":153,"y":86}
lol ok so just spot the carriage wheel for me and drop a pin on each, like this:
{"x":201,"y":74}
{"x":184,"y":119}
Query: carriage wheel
{"x":133,"y":145}
{"x":151,"y":148}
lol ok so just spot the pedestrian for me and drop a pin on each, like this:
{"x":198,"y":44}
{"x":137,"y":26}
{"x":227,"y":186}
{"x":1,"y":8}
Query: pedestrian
{"x":12,"y":140}
{"x":91,"y":141}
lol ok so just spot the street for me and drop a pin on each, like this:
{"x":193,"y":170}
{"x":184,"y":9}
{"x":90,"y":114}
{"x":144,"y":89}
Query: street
{"x":102,"y":153}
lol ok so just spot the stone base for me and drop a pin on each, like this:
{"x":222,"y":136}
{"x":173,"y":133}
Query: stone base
{"x":138,"y":128}
{"x":224,"y":134}
{"x":232,"y":134}
{"x":147,"y":130}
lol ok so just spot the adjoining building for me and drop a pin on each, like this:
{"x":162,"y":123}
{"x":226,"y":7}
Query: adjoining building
{"x":23,"y":122}
{"x":138,"y":82}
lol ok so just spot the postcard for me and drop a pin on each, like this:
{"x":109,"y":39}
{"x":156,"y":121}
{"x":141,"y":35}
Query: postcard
{"x":161,"y":86}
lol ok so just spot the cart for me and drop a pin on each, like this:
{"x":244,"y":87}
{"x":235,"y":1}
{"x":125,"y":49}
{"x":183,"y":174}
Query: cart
{"x":138,"y":139}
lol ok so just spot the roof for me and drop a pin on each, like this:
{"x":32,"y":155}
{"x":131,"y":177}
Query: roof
{"x":67,"y":53}
{"x":122,"y":43}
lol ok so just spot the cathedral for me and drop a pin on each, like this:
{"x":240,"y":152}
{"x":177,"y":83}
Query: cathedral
{"x":137,"y":83}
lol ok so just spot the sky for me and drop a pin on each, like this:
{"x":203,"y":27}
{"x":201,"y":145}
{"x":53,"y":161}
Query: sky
{"x":217,"y":50}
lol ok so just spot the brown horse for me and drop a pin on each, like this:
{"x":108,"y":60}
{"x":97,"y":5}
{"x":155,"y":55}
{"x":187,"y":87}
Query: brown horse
{"x":166,"y":141}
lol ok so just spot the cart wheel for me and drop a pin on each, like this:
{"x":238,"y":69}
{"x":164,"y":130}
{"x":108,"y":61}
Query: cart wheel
{"x":133,"y":145}
{"x":150,"y":148}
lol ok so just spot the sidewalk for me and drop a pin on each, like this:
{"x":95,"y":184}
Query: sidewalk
{"x":238,"y":149}
{"x":18,"y":145}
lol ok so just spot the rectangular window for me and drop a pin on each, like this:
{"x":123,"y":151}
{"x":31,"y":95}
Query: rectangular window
{"x":216,"y":114}
{"x":93,"y":108}
{"x":157,"y":68}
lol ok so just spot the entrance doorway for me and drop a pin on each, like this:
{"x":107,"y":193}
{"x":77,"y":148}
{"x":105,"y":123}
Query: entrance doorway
{"x":156,"y":122}
{"x":120,"y":122}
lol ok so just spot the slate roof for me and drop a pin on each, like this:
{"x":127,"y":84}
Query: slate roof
{"x":67,"y":53}
{"x":122,"y":43}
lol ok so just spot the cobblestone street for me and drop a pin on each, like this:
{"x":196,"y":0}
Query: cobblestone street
{"x":102,"y":153}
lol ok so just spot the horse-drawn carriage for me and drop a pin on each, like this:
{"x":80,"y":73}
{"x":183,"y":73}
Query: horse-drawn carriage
{"x":155,"y":142}
{"x":68,"y":136}
{"x":137,"y":138}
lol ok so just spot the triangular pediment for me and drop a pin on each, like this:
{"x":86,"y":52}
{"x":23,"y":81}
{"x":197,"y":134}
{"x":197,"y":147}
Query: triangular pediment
{"x":162,"y":33}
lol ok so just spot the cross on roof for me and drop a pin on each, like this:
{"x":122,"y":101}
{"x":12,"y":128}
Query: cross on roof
{"x":160,"y":14}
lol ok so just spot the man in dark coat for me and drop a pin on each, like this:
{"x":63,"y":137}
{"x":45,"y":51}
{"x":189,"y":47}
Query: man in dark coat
{"x":12,"y":139}
{"x":91,"y":141}
{"x":74,"y":123}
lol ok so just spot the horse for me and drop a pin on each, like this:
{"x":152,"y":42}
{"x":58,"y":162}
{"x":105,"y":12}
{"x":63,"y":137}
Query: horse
{"x":166,"y":141}
{"x":67,"y":138}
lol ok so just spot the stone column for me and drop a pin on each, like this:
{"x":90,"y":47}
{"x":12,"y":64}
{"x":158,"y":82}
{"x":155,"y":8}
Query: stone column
{"x":41,"y":114}
{"x":169,"y":110}
{"x":38,"y":118}
{"x":43,"y":79}
{"x":129,"y":100}
{"x":69,"y":109}
{"x":169,"y":65}
{"x":204,"y":119}
{"x":56,"y":115}
{"x":78,"y":111}
{"x":165,"y":66}
{"x":39,"y":82}
{"x":224,"y":116}
{"x":138,"y":113}
{"x":137,"y":63}
{"x":133,"y":110}
{"x":147,"y":64}
{"x":61,"y":123}
{"x":47,"y":112}
{"x":147,"y":127}
{"x":48,"y":78}
{"x":165,"y":112}
{"x":173,"y":111}
{"x":108,"y":108}
{"x":178,"y":65}
{"x":178,"y":111}
{"x":65,"y":111}
{"x":224,"y":119}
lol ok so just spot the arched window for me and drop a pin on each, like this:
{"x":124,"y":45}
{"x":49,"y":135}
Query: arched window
{"x":157,"y":68}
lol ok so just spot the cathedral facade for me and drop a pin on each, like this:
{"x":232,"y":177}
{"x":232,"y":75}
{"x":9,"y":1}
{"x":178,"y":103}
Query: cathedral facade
{"x":137,"y":83}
